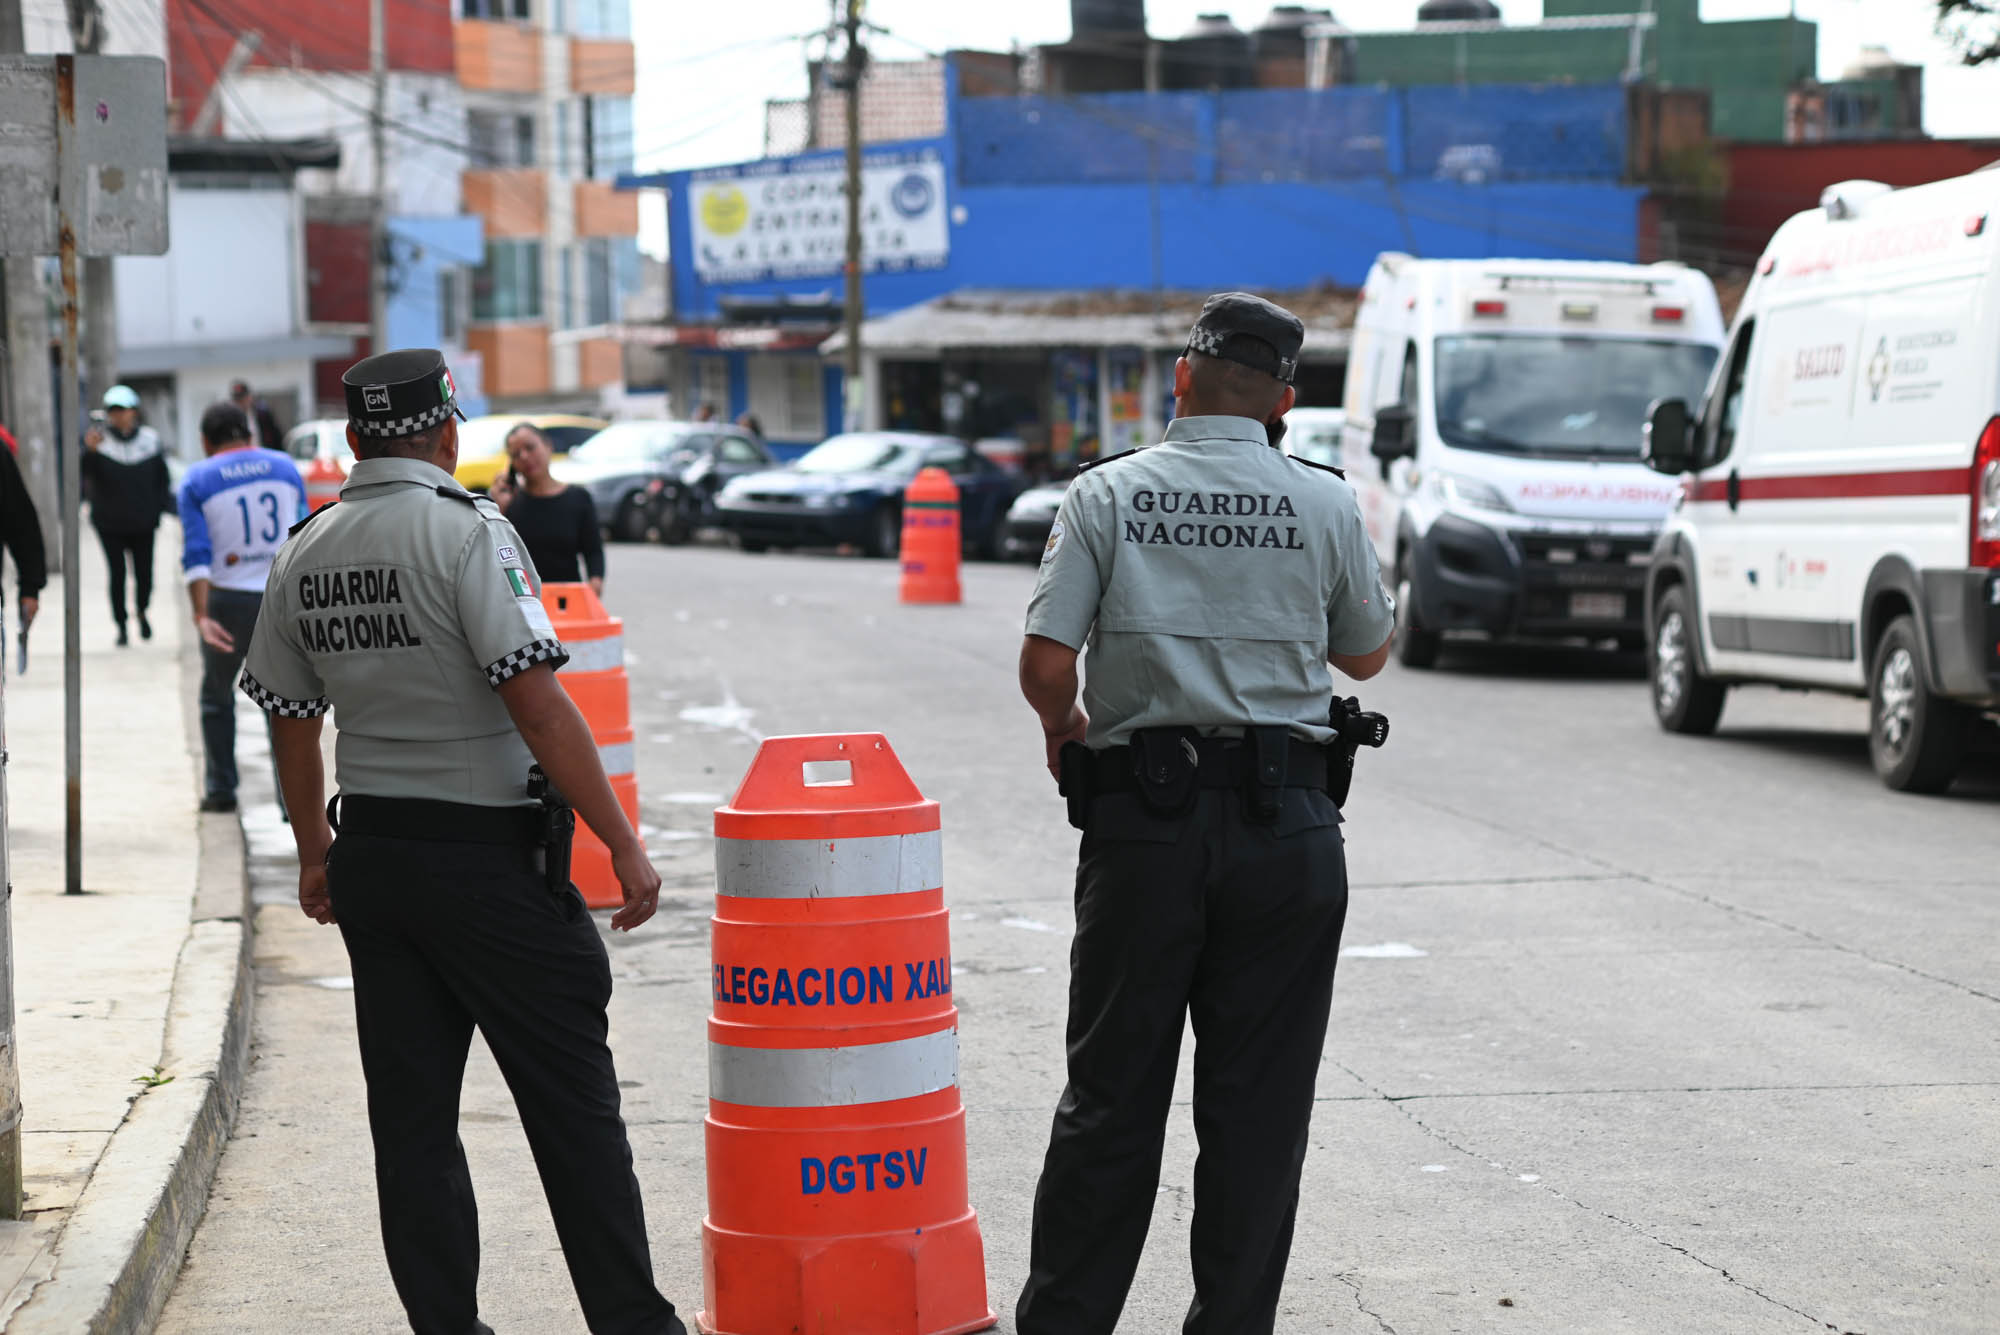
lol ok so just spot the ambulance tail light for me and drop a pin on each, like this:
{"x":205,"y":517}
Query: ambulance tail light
{"x":1986,"y":498}
{"x":1489,"y":309}
{"x":1669,"y":314}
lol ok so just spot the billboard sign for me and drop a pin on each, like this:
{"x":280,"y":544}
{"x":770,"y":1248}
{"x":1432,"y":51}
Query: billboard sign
{"x":788,"y":219}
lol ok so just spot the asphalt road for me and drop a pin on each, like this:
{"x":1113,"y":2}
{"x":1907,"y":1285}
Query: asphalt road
{"x":1634,"y":1032}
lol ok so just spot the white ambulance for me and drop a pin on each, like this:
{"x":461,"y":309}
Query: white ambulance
{"x":1840,"y":525}
{"x":1495,"y":411}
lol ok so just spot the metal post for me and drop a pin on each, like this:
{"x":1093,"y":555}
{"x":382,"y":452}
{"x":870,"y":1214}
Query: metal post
{"x":856,"y":386}
{"x":70,"y":441}
{"x":29,"y":411}
{"x":10,"y":1067}
{"x":378,"y":143}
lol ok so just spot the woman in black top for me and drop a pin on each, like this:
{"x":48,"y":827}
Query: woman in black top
{"x":556,"y":521}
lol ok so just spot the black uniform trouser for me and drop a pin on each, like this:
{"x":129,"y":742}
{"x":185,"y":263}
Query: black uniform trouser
{"x":138,"y":547}
{"x":1238,"y":926}
{"x":443,"y":937}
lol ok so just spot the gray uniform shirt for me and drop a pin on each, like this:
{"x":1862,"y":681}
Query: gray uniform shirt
{"x":1212,"y":575}
{"x":401,"y":609}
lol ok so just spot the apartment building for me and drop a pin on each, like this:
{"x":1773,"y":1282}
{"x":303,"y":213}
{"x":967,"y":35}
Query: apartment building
{"x":548,"y":95}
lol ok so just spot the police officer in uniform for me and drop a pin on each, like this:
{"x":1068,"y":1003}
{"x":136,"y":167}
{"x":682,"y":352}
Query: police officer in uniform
{"x":1215,"y":580}
{"x":411,"y":609}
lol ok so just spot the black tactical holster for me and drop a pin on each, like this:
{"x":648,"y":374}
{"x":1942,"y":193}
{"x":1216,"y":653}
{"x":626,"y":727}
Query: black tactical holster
{"x":558,"y":830}
{"x":1352,"y":729}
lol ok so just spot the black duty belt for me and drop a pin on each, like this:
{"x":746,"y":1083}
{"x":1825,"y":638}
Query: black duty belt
{"x":425,"y":819}
{"x":1218,"y":762}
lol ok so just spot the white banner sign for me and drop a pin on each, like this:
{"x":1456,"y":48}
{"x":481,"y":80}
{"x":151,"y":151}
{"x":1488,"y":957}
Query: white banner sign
{"x":783,"y":221}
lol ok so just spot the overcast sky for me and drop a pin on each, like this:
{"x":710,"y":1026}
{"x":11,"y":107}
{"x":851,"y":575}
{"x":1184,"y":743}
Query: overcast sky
{"x":706,"y":69}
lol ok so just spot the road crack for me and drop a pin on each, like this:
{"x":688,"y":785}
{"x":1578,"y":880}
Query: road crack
{"x":1347,"y":1278}
{"x":1401,"y":1105}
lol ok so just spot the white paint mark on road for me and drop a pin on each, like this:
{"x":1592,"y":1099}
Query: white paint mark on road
{"x":1531,"y":1177}
{"x":661,"y":737}
{"x":680,"y":836}
{"x":692,"y":799}
{"x":729,"y":716}
{"x":1035,"y":969}
{"x":1026,"y":924}
{"x":1388,"y":950}
{"x":1434,"y":1168}
{"x":340,"y":984}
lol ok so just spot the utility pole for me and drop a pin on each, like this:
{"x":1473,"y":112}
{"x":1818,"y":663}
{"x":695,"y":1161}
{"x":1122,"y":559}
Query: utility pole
{"x":857,"y":60}
{"x":30,"y":396}
{"x":21,"y":277}
{"x":378,"y":136}
{"x":100,"y":330}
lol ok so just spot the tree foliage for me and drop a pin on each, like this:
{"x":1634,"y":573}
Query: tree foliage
{"x":1972,"y":27}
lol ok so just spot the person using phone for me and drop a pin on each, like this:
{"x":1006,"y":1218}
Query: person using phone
{"x":557,"y":521}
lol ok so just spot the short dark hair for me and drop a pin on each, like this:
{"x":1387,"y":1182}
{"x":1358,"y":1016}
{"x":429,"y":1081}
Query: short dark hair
{"x":222,"y":423}
{"x":1229,"y":384}
{"x":238,"y":388}
{"x":525,"y":425}
{"x":422,"y":445}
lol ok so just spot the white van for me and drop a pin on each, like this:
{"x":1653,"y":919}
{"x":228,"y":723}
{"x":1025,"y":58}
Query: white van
{"x":1495,"y":410}
{"x":1840,"y":525}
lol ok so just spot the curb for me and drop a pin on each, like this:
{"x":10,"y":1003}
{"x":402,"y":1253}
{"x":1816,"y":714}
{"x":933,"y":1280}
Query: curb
{"x":120,"y":1250}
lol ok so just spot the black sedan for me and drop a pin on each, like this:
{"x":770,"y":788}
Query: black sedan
{"x":849,"y":489}
{"x":660,"y":479}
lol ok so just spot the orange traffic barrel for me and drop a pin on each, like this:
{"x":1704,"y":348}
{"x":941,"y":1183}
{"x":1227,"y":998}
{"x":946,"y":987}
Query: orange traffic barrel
{"x":596,"y":682}
{"x":837,"y":1200}
{"x":323,"y":478}
{"x":931,"y":539}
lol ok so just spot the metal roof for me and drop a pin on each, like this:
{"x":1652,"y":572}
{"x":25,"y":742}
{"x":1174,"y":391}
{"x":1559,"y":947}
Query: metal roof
{"x":975,"y":319}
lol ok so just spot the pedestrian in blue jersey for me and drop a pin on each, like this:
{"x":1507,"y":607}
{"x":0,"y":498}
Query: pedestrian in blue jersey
{"x":236,"y":508}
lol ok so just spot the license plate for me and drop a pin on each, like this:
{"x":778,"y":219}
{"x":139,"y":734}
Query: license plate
{"x":1596,"y":606}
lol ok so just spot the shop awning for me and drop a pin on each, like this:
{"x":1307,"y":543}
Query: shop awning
{"x":972,"y":320}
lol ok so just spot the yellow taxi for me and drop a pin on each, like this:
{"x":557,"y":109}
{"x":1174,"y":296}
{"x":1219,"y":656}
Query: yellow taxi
{"x":482,"y":442}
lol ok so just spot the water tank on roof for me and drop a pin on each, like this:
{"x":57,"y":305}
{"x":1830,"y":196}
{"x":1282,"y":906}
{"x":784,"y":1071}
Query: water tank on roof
{"x":1215,"y":53}
{"x":1105,"y":17}
{"x":1283,"y":32}
{"x":1458,"y":11}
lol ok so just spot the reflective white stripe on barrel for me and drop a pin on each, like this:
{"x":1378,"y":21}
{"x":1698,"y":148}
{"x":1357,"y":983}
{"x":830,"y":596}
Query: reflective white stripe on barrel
{"x":601,"y":655}
{"x":616,"y":758}
{"x":833,"y":1077}
{"x":889,"y":864}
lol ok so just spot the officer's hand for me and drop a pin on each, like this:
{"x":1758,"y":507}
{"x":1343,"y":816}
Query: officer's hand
{"x":214,"y":635}
{"x":1073,"y":730}
{"x":641,"y":885}
{"x":314,"y":900}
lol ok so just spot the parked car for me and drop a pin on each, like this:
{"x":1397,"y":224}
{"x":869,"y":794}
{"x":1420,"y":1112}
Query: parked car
{"x":1314,"y":434}
{"x":482,"y":442}
{"x":849,"y":489}
{"x":1030,"y":519}
{"x":321,"y":438}
{"x":659,"y":479}
{"x":1840,"y":521}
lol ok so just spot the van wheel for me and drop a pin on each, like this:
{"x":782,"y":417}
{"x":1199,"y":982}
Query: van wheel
{"x":1915,"y":739}
{"x":1415,"y":646}
{"x":1683,"y":699}
{"x":885,"y":532}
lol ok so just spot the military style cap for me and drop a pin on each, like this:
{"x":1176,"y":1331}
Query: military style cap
{"x":1248,"y":330}
{"x":400,"y":393}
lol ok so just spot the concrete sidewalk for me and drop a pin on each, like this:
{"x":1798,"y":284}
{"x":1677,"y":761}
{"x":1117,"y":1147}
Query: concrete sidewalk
{"x":131,"y":999}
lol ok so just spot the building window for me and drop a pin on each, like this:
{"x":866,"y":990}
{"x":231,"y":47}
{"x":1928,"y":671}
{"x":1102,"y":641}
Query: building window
{"x":786,"y":396}
{"x":508,"y":286}
{"x":451,"y":308}
{"x":561,"y":155}
{"x":494,"y":9}
{"x":610,"y":274}
{"x":566,"y":313}
{"x":601,"y":18}
{"x":607,"y":136}
{"x":711,"y":385}
{"x":501,"y":139}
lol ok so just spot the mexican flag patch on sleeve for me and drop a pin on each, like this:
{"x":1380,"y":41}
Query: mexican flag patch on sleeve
{"x":518,"y":581}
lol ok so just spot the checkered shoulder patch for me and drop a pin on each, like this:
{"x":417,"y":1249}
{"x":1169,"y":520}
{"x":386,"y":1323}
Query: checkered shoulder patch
{"x":514,"y":664}
{"x":272,"y":703}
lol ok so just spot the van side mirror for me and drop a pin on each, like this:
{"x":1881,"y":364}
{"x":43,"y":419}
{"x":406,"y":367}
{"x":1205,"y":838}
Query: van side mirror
{"x":1395,"y":436}
{"x":1668,"y":446}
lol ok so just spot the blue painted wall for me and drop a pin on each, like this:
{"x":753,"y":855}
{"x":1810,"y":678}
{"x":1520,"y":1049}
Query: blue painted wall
{"x":1272,"y":189}
{"x":422,"y":247}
